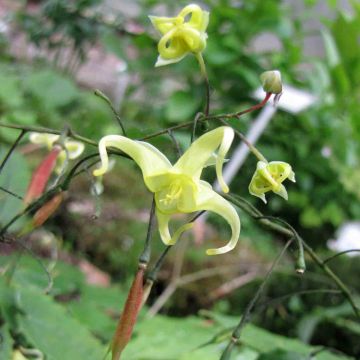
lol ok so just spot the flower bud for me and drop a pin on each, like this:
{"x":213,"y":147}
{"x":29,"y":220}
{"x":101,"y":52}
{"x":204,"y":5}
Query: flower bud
{"x":47,"y":209}
{"x":271,"y":81}
{"x":41,"y":176}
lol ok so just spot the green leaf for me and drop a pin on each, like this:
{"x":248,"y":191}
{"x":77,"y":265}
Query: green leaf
{"x":6,"y":343}
{"x":28,"y":272}
{"x":332,"y":54}
{"x":94,"y":306}
{"x":282,"y":355}
{"x":52,"y":89}
{"x":10,"y":94}
{"x":48,"y":327}
{"x":181,"y":106}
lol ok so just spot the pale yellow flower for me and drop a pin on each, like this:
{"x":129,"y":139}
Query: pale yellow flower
{"x":182,"y":34}
{"x":73,"y":148}
{"x":269,"y":177}
{"x":178,"y":188}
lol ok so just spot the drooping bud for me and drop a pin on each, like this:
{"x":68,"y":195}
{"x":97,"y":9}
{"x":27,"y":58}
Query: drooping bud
{"x":41,"y":176}
{"x":271,"y":81}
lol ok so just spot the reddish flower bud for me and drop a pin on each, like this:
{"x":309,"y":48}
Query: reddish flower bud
{"x":128,"y":317}
{"x":47,"y":210}
{"x":41,"y":176}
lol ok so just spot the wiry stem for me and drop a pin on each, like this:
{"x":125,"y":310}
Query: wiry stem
{"x":339,"y":254}
{"x":101,"y":95}
{"x":287,"y":232}
{"x":11,"y":193}
{"x":246,"y":316}
{"x":242,"y":137}
{"x":12,"y":148}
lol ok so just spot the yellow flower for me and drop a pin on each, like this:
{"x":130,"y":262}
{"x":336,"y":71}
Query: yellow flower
{"x":74,"y":148}
{"x":182,"y":34}
{"x":269,"y":177}
{"x":178,"y":188}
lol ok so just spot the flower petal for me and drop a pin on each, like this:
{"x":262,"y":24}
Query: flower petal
{"x":150,"y":160}
{"x":163,"y":224}
{"x":199,"y":19}
{"x":195,"y":41}
{"x":162,"y":62}
{"x":196,"y":157}
{"x":282,"y":192}
{"x":172,"y":46}
{"x":74,"y":148}
{"x":210,"y":200}
{"x":43,"y":139}
{"x":163,"y":24}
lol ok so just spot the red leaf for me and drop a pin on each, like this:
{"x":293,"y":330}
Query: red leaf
{"x":41,"y":176}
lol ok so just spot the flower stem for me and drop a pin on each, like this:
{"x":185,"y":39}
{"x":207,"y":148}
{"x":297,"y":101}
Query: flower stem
{"x":145,"y":256}
{"x":101,"y":95}
{"x":247,"y":313}
{"x":287,"y":232}
{"x":242,"y":137}
{"x":201,"y":62}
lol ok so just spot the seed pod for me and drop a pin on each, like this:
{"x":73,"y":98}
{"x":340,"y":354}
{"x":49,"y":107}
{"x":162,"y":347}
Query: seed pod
{"x":41,"y":176}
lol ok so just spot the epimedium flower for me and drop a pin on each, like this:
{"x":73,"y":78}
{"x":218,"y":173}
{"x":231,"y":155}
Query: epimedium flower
{"x":178,"y":188}
{"x":269,"y":177}
{"x":73,"y":148}
{"x":182,"y":34}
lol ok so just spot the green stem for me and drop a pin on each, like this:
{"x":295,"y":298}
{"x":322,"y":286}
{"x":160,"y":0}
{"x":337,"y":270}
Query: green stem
{"x":145,"y":256}
{"x":287,"y":232}
{"x":201,"y":62}
{"x":153,"y":273}
{"x":247,"y":313}
{"x":339,"y":254}
{"x":40,"y":129}
{"x":32,"y":207}
{"x":11,"y":193}
{"x":300,"y":263}
{"x":242,"y":137}
{"x":176,"y":143}
{"x":101,"y":95}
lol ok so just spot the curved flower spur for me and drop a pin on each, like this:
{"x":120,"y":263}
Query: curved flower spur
{"x":178,"y":188}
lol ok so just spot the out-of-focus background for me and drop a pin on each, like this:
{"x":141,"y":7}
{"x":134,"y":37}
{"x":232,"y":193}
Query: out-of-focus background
{"x":54,"y":53}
